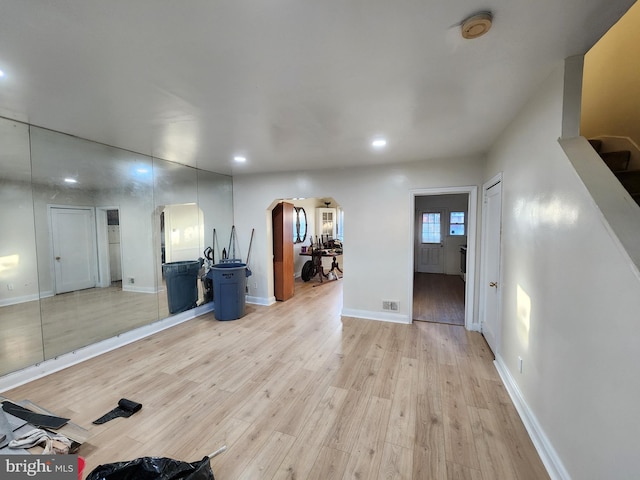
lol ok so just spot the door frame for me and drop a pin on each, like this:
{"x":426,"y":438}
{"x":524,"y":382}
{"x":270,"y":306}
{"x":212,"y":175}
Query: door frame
{"x":104,"y":268}
{"x":484,"y":282}
{"x":470,"y":320}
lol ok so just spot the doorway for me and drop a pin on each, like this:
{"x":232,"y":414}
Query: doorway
{"x":443,"y":247}
{"x":316,"y":222}
{"x":109,"y":247}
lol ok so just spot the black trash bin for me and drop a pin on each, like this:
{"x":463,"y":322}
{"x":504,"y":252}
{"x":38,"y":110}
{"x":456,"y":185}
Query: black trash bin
{"x":182,"y":284}
{"x":229,"y":284}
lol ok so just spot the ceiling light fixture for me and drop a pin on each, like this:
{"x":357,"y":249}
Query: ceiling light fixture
{"x":379,"y":143}
{"x":240,"y":159}
{"x":70,"y":180}
{"x":476,"y":25}
{"x":1,"y":74}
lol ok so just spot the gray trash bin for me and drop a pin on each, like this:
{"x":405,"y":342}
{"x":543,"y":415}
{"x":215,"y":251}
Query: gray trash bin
{"x":182,"y":284}
{"x":229,"y":284}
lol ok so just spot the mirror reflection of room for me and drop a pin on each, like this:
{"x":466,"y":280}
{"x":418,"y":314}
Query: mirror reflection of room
{"x":82,"y":261}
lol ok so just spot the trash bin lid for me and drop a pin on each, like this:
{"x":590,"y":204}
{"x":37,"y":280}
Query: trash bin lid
{"x":229,"y":265}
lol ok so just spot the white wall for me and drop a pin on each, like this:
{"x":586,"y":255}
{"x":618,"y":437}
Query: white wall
{"x":579,"y":338}
{"x":378,"y":212}
{"x":18,"y":269}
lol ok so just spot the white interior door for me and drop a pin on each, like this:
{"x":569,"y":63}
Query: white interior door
{"x":74,"y":248}
{"x":429,"y":258}
{"x":491,"y":282}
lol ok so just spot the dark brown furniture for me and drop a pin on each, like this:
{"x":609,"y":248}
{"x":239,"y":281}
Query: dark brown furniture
{"x":282,"y":217}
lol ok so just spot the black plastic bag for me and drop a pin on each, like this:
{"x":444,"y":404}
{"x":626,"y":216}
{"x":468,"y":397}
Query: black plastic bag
{"x":154,"y":468}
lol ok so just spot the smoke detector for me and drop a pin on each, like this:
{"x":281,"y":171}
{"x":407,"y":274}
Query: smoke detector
{"x":476,"y":25}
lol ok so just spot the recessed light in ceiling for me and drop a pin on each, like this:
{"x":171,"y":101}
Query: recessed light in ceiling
{"x":70,"y":180}
{"x":240,"y":159}
{"x":476,"y":25}
{"x":1,"y":74}
{"x":379,"y":143}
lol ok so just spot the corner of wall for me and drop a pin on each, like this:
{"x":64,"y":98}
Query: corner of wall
{"x":572,"y":101}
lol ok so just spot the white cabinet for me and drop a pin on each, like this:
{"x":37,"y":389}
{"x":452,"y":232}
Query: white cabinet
{"x":326,"y":222}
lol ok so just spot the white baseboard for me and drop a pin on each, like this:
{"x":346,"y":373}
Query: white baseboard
{"x":545,"y":449}
{"x":380,"y":316}
{"x":137,"y":289}
{"x":261,"y":300}
{"x":15,"y":379}
{"x":5,"y":302}
{"x":474,"y":327}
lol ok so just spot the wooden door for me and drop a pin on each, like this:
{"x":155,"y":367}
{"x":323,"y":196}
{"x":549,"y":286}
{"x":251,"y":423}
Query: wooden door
{"x":282,"y":217}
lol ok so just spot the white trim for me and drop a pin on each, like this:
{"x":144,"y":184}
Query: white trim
{"x":548,"y":455}
{"x":380,"y":316}
{"x":126,"y":287}
{"x":17,"y":300}
{"x":39,"y":370}
{"x":261,"y":300}
{"x":470,"y":316}
{"x":102,"y":243}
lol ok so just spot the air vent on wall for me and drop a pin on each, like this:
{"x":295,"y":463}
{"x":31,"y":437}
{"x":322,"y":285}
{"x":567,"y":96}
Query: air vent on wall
{"x":390,"y":305}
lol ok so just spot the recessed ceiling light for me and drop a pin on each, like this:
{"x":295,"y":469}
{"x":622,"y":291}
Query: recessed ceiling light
{"x":379,"y":143}
{"x":70,"y":180}
{"x":240,"y":158}
{"x":1,"y":73}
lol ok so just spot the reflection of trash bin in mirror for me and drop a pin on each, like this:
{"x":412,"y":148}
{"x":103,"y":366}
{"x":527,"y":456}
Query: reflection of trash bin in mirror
{"x":182,"y":284}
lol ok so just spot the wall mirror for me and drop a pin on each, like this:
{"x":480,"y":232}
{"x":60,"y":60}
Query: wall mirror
{"x":20,"y":328}
{"x":90,"y":227}
{"x":76,"y":184}
{"x":299,"y":225}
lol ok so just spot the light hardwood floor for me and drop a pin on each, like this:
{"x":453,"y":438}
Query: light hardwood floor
{"x":297,"y":392}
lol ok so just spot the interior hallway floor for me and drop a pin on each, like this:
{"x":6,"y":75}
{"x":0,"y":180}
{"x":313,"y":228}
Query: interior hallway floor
{"x":294,"y":390}
{"x":438,"y":298}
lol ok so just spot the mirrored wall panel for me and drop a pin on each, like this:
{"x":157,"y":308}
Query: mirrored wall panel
{"x":78,"y":186}
{"x":20,"y":328}
{"x":98,"y":233}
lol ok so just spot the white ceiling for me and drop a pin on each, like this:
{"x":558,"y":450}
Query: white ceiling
{"x":290,"y":84}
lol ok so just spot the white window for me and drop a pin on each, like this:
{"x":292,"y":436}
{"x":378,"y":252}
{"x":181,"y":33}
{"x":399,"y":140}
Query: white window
{"x":456,"y":223}
{"x":431,"y":228}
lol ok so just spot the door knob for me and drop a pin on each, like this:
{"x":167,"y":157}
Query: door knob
{"x":57,"y":258}
{"x":493,"y":284}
